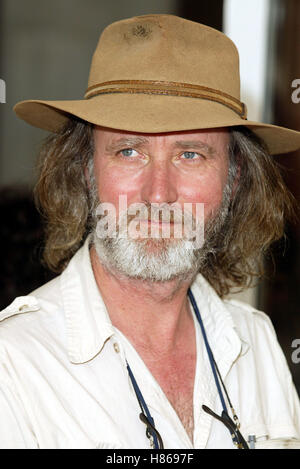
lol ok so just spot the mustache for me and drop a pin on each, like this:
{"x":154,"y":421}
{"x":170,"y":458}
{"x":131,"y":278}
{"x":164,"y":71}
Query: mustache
{"x":163,"y":213}
{"x":166,"y":221}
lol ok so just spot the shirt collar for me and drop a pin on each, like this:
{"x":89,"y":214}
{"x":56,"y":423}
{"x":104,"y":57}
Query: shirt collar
{"x":89,"y":325}
{"x":88,"y":322}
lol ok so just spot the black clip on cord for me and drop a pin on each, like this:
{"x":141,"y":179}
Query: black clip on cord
{"x":229,"y":423}
{"x":151,"y":429}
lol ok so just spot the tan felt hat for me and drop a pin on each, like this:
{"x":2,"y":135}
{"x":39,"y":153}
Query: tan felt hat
{"x":160,"y":73}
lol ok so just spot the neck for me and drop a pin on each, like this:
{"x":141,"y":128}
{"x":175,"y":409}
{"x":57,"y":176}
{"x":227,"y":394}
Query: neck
{"x":148,"y":313}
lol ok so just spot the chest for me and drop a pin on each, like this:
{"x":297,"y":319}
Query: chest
{"x":176,"y":378}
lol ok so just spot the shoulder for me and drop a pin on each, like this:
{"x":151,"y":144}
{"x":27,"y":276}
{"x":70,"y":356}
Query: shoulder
{"x":45,"y":297}
{"x":238,"y":307}
{"x":255,"y":329}
{"x":38,"y":314}
{"x":248,"y":320}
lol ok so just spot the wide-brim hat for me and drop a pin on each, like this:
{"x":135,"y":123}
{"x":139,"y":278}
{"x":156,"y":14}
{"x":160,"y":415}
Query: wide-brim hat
{"x":157,"y":74}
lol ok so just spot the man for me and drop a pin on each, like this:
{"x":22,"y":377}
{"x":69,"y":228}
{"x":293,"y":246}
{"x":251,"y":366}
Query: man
{"x":134,"y":345}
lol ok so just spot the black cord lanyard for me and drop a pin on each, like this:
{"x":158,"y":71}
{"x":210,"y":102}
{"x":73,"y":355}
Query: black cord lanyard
{"x":233,"y":426}
{"x":145,"y":416}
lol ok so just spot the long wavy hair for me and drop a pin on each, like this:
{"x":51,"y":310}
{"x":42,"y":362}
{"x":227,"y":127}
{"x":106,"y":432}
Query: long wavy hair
{"x":256,"y":218}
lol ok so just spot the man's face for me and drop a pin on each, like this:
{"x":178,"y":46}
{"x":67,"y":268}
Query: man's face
{"x":181,"y":167}
{"x":173,"y":168}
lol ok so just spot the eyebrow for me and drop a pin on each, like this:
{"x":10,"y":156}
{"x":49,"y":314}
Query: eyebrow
{"x":126,"y":142}
{"x":195,"y":144}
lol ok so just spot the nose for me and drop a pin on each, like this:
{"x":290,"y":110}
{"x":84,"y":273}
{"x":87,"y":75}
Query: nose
{"x":159,"y":185}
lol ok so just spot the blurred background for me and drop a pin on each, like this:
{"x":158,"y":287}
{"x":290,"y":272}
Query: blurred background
{"x":45,"y":53}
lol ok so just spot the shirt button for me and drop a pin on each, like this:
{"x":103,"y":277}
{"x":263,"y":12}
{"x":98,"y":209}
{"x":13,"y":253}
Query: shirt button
{"x":116,"y":347}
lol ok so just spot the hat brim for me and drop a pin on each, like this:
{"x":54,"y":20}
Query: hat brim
{"x":144,"y":113}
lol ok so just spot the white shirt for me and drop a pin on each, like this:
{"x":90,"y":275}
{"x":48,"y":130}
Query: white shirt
{"x":64,"y":382}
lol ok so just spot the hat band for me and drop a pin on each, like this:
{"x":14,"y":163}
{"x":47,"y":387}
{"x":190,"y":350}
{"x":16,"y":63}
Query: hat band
{"x":167,"y":88}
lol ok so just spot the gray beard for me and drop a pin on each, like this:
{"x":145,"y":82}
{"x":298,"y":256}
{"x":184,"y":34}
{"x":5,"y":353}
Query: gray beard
{"x":161,"y":260}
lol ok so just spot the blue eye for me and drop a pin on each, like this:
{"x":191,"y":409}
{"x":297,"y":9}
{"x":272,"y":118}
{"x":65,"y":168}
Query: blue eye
{"x":189,"y":155}
{"x":127,"y":152}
